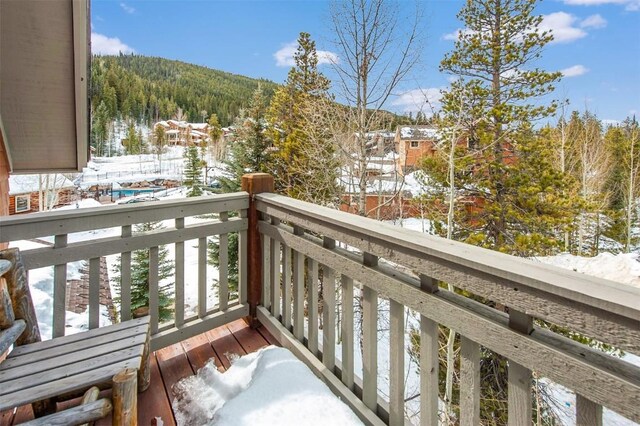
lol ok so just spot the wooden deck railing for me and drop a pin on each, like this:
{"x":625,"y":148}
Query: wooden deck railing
{"x":302,"y":262}
{"x":404,"y":267}
{"x":61,"y":225}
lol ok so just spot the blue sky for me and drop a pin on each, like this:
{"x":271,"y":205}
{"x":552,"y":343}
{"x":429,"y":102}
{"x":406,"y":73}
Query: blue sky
{"x":597,"y":43}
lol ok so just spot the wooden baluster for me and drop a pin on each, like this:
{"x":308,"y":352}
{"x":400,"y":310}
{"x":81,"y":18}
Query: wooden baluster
{"x":266,"y":272}
{"x":370,"y":340}
{"x":588,"y":413}
{"x":59,"y":290}
{"x":179,"y":277}
{"x":328,"y":312}
{"x":469,"y":382}
{"x":242,"y":263}
{"x":520,"y":377}
{"x":94,"y":293}
{"x":125,"y":278}
{"x":429,"y":364}
{"x":347,"y":331}
{"x":312,"y":294}
{"x":154,"y":305}
{"x":202,"y":277}
{"x":286,"y":287}
{"x":223,"y":269}
{"x":275,"y":274}
{"x":298,"y":291}
{"x":396,"y":374}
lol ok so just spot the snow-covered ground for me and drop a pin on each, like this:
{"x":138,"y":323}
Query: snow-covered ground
{"x":268,"y":387}
{"x":623,"y":268}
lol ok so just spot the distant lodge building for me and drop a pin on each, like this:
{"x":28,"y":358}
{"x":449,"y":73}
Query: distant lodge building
{"x":25,"y":192}
{"x":182,"y":133}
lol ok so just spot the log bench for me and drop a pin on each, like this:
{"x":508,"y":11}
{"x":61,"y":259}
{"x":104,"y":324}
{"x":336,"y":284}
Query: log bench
{"x":39,"y":372}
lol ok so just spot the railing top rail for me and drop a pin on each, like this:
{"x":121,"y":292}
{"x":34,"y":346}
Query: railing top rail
{"x":33,"y":225}
{"x":596,"y":292}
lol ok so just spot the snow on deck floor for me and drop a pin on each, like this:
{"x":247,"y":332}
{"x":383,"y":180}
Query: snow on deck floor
{"x":267,"y":387}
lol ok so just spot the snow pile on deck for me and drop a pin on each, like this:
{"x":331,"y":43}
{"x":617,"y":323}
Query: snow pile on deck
{"x":267,"y":387}
{"x":623,"y":268}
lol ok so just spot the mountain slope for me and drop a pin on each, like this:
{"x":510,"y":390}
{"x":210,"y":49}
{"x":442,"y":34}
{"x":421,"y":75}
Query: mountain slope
{"x":149,"y":88}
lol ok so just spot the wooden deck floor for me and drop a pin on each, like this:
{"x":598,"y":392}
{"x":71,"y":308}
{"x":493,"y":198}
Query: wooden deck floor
{"x":173,"y":363}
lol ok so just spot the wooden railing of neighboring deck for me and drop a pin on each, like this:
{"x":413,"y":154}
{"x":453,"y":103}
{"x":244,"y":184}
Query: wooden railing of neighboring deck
{"x":405,"y":268}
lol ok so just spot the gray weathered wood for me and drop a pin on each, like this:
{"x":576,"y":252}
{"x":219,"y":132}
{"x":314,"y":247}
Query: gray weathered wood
{"x":519,"y":377}
{"x":68,"y":384}
{"x":59,"y":290}
{"x":179,"y":277}
{"x":370,"y":347}
{"x":75,"y":415}
{"x":43,"y":361}
{"x":154,"y":299}
{"x":298,"y":295}
{"x":318,"y":368}
{"x":429,"y":361}
{"x":8,"y":336}
{"x":94,"y":293}
{"x":588,"y":413}
{"x":41,"y":257}
{"x":312,"y":294}
{"x":396,"y":354}
{"x":286,"y":287}
{"x":275,"y":278}
{"x":328,"y":317}
{"x":347,"y":332}
{"x":266,"y":272}
{"x":595,"y":307}
{"x":125,"y":278}
{"x":597,"y":381}
{"x":114,"y":331}
{"x":223,"y":269}
{"x":469,"y":382}
{"x":202,"y":277}
{"x":64,"y":368}
{"x":429,"y":367}
{"x":69,"y":221}
{"x":195,"y":326}
{"x":242,"y":260}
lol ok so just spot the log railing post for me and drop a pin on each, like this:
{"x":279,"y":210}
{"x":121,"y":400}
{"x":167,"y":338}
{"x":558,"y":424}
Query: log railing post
{"x":254,"y":183}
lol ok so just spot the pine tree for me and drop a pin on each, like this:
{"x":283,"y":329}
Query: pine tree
{"x":249,"y":154}
{"x":192,"y":171}
{"x":140,"y":277}
{"x":494,"y":61}
{"x":304,"y":164}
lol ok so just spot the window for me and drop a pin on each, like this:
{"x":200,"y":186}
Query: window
{"x":414,"y":144}
{"x":23,"y":203}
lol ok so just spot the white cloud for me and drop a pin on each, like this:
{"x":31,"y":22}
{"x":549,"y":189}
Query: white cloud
{"x":562,"y":26}
{"x":103,"y":45}
{"x":418,"y":99}
{"x":127,"y":8}
{"x":565,"y":27}
{"x":594,"y":21}
{"x":284,"y":56}
{"x":630,"y":5}
{"x":610,"y":122}
{"x":574,"y":71}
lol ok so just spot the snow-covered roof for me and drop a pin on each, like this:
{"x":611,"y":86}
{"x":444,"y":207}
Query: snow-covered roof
{"x":200,"y":126}
{"x":418,"y":132}
{"x":172,"y":132}
{"x":26,"y":184}
{"x":197,"y":133}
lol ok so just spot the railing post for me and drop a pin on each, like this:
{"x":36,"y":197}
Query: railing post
{"x":254,"y":183}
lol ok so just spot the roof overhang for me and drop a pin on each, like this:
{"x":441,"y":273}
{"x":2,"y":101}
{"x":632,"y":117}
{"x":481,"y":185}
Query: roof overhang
{"x":44,"y":71}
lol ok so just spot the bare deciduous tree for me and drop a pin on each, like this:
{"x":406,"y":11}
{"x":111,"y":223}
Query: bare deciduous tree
{"x":377,"y":48}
